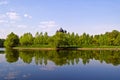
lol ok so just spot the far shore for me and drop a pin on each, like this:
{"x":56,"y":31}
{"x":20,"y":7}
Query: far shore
{"x":17,"y":48}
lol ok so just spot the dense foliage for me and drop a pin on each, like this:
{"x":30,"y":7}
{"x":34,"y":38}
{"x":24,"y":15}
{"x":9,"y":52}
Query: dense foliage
{"x":62,"y":38}
{"x":12,"y":40}
{"x":26,"y":39}
{"x":2,"y":42}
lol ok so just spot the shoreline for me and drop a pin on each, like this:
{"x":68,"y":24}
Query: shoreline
{"x":66,"y":48}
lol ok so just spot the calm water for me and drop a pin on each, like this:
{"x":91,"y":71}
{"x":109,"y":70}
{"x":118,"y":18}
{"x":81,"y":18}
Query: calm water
{"x":59,"y":65}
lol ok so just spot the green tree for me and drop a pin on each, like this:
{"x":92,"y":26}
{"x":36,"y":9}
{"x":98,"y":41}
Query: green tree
{"x":45,"y":38}
{"x":12,"y":40}
{"x":85,"y":40}
{"x":111,"y":36}
{"x":26,"y":39}
{"x":36,"y":39}
{"x":2,"y":42}
{"x":72,"y":39}
{"x":117,"y":40}
{"x":60,"y":39}
{"x":39,"y":39}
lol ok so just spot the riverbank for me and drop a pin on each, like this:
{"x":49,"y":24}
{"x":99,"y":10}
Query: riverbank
{"x":17,"y":48}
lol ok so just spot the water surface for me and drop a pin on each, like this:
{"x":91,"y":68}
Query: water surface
{"x":59,"y":65}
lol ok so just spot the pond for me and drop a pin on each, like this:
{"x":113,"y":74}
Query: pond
{"x":59,"y":65}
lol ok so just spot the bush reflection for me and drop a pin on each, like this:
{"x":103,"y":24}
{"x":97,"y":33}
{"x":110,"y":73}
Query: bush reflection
{"x":63,"y":57}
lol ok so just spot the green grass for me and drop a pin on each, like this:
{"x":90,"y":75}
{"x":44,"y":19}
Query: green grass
{"x":35,"y":46}
{"x":48,"y":46}
{"x":100,"y":47}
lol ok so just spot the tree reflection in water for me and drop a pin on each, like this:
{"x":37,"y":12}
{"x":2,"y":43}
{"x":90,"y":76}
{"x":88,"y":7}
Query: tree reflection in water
{"x":12,"y":55}
{"x":63,"y":57}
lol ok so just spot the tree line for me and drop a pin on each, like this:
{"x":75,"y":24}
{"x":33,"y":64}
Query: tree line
{"x":62,"y":38}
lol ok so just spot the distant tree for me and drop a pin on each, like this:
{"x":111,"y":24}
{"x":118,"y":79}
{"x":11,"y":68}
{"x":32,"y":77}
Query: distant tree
{"x":36,"y":39}
{"x":111,"y":36}
{"x":95,"y":40}
{"x":72,"y":38}
{"x":41,"y":39}
{"x":26,"y":39}
{"x":46,"y":38}
{"x":2,"y":42}
{"x":85,"y":40}
{"x":12,"y":40}
{"x":69,"y":38}
{"x":117,"y":40}
{"x":60,"y":39}
{"x":61,"y":30}
{"x":76,"y":39}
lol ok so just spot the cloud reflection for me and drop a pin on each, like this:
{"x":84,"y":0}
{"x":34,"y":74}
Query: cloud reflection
{"x":26,"y":75}
{"x":49,"y":67}
{"x":2,"y":59}
{"x":11,"y":75}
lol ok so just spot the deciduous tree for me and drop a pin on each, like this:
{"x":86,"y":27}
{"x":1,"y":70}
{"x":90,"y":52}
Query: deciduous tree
{"x":12,"y":40}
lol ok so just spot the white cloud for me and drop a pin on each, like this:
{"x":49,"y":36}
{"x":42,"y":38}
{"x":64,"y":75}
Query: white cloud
{"x":47,"y":24}
{"x":2,"y":16}
{"x":13,"y":21}
{"x":22,"y":26}
{"x":3,"y":21}
{"x":13,"y":15}
{"x":3,"y":2}
{"x":4,"y":33}
{"x":27,"y":16}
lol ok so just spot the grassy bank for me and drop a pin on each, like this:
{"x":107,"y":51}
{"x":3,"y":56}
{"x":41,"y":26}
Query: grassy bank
{"x":100,"y":47}
{"x":47,"y":47}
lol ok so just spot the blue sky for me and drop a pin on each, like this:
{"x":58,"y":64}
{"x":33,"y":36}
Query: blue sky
{"x":90,"y":16}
